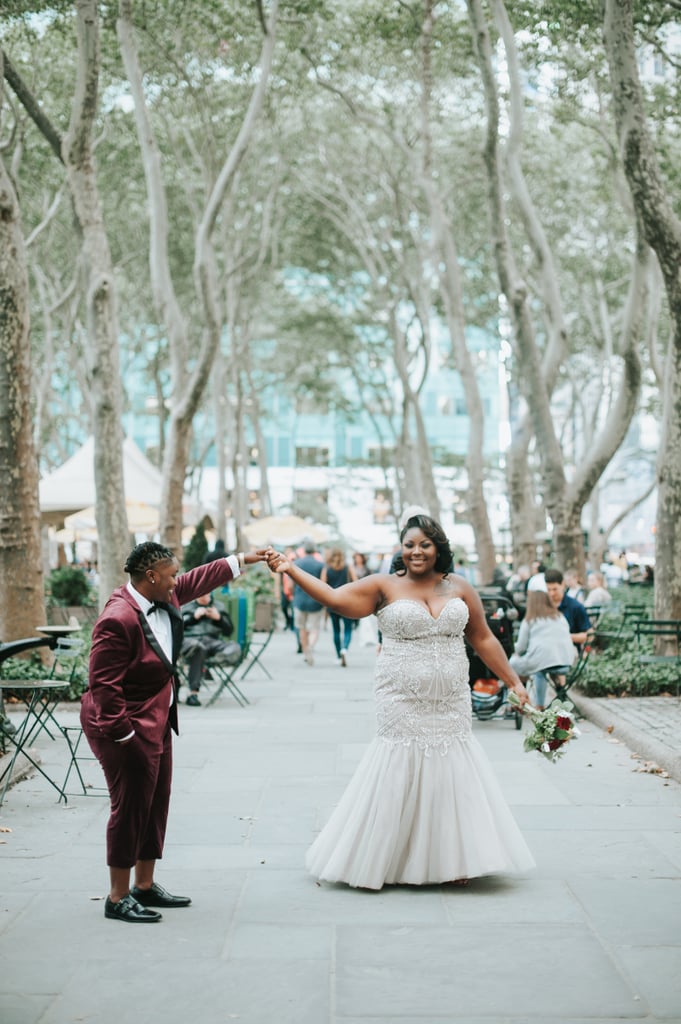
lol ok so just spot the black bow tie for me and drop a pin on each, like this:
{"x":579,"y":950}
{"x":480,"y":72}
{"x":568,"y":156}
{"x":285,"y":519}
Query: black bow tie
{"x":156,"y":606}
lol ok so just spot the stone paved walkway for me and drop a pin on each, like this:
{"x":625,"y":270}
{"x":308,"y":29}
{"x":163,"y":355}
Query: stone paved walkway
{"x":591,"y":936}
{"x":650,"y":726}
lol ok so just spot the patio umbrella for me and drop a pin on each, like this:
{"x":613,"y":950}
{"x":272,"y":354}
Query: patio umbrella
{"x":283,"y":530}
{"x":141,"y":518}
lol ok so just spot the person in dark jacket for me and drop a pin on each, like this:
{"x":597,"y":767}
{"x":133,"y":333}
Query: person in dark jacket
{"x":574,"y":611}
{"x":129,"y":711}
{"x":337,"y":572}
{"x":307,"y":613}
{"x":207,"y":628}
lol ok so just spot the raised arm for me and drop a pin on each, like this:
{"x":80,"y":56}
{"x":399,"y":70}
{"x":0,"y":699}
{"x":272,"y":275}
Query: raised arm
{"x":352,"y":600}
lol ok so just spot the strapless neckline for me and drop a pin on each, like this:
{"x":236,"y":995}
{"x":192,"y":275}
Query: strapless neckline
{"x":420,"y":604}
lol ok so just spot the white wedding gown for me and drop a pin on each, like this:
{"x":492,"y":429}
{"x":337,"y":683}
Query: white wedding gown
{"x":424,"y":805}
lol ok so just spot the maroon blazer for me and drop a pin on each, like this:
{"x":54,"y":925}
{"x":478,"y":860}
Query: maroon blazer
{"x":131,"y":680}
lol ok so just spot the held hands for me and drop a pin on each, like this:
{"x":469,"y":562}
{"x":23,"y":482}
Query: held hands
{"x":276,"y":561}
{"x":251,"y":557}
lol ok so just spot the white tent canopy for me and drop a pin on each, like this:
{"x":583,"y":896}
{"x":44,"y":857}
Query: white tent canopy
{"x":141,"y":518}
{"x":71,"y":487}
{"x":282,"y":530}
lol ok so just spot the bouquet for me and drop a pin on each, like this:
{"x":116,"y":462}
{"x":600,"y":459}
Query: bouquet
{"x":553,"y":728}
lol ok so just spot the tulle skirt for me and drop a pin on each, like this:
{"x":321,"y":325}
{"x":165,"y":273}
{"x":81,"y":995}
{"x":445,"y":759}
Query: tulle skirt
{"x":418,"y":818}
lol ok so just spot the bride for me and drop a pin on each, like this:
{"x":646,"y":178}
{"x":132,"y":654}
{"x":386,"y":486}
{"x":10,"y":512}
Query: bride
{"x":423,"y":806}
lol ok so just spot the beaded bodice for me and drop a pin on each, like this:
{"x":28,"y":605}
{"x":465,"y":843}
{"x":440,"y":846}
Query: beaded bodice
{"x":422,"y":692}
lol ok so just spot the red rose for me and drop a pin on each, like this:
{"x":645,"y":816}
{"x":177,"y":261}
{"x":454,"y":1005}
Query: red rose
{"x":554,"y":744}
{"x":563,"y":723}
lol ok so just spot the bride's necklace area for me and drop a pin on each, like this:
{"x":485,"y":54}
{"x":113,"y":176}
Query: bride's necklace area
{"x":431,"y":588}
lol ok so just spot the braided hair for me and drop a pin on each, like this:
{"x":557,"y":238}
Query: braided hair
{"x":144,"y":556}
{"x":434,"y":532}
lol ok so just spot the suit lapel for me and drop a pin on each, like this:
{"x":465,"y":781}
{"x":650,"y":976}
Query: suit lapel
{"x":155,"y":645}
{"x":177,"y":629}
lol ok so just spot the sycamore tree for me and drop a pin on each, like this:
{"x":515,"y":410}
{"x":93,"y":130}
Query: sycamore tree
{"x":193,"y":328}
{"x":658,"y":208}
{"x":21,"y":576}
{"x":383,"y":177}
{"x":74,"y":148}
{"x":528,"y":285}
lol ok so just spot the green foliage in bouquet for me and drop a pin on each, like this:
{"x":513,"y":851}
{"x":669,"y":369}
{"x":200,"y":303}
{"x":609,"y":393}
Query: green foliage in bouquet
{"x":553,"y":728}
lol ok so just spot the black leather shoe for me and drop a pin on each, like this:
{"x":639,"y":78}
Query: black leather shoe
{"x":129,"y":909}
{"x":158,"y":897}
{"x":193,"y":700}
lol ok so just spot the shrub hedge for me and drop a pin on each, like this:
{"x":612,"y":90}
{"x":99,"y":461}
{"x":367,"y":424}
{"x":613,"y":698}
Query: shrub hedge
{"x":613,"y":668}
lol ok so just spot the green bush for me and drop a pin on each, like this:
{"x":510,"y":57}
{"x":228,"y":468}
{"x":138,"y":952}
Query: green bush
{"x":196,"y":550}
{"x":613,"y":669}
{"x":615,"y":672}
{"x":69,"y":586}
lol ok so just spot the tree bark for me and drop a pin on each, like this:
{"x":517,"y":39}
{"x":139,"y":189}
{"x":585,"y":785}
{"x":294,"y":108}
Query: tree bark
{"x":76,"y":152}
{"x":663,"y":232}
{"x":445,"y":256}
{"x":21,"y":574}
{"x":564,"y":501}
{"x":524,"y":514}
{"x":101,"y":313}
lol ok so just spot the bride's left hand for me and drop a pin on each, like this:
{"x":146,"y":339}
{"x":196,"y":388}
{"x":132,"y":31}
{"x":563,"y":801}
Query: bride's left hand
{"x":520,"y":692}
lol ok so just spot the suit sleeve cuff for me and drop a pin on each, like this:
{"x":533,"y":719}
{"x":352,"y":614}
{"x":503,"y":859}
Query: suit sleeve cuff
{"x":233,"y":563}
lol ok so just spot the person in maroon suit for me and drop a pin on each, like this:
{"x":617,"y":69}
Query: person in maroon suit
{"x":129,"y":709}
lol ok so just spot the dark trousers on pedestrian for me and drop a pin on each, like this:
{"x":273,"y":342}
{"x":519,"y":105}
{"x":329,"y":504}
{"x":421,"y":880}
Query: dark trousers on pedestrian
{"x":337,"y":621}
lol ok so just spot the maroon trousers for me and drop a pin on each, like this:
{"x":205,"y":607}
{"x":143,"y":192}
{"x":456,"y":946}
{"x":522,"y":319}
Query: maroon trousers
{"x":138,"y":775}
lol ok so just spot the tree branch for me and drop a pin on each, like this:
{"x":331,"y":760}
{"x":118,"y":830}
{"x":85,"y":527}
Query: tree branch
{"x":31,"y":106}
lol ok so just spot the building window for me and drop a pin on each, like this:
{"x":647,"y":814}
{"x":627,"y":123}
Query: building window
{"x":312,"y":505}
{"x":283,"y":451}
{"x":460,"y":406}
{"x":382,"y":507}
{"x":460,"y":507}
{"x":380,"y":455}
{"x":309,"y":456}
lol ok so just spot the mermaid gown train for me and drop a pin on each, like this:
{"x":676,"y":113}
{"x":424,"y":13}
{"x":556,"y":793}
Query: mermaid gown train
{"x":424,"y":805}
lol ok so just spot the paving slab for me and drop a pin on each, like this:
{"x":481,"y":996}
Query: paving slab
{"x":592,"y":936}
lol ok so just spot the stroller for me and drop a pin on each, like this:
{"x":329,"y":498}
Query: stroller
{"x":489,"y":695}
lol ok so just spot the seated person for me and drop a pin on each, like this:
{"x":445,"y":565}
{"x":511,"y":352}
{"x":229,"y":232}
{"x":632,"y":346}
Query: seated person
{"x":599,"y":594}
{"x":206,"y":628}
{"x":543,"y":643}
{"x":574,"y":611}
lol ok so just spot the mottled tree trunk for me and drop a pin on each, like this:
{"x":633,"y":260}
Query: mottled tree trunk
{"x":76,"y":151}
{"x":445,"y":256}
{"x":563,"y":501}
{"x":101,"y":314}
{"x":662,"y":229}
{"x":22,"y":607}
{"x":523,"y":511}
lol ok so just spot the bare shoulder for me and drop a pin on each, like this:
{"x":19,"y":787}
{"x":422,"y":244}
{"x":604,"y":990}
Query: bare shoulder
{"x":454,"y":586}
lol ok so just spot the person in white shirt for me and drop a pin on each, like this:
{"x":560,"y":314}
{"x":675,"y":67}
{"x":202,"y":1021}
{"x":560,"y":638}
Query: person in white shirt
{"x":598,"y":594}
{"x":543,"y":642}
